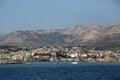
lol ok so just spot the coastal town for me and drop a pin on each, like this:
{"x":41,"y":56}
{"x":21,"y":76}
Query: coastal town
{"x":13,"y":55}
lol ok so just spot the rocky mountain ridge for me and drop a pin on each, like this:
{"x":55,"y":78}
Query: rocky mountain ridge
{"x":88,"y":35}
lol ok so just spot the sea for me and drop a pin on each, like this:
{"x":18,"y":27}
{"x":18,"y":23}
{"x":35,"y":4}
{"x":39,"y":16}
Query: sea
{"x":60,"y":71}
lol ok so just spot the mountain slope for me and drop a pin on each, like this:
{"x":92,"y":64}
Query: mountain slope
{"x":2,"y":36}
{"x":35,"y":39}
{"x":92,"y":35}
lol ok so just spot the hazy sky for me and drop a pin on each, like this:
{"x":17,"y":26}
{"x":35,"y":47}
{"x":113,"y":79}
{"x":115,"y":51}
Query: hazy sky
{"x":52,"y":14}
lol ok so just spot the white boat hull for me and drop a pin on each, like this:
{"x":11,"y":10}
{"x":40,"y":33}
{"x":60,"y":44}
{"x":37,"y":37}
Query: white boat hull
{"x":74,"y":62}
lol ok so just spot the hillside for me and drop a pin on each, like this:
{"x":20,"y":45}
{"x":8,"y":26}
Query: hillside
{"x":88,"y":35}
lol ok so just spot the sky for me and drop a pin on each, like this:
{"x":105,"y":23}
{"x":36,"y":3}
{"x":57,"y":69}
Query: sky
{"x":56,"y":14}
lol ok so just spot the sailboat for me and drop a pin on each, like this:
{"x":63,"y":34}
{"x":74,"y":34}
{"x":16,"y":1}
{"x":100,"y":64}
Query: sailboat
{"x":55,"y":59}
{"x":26,"y":62}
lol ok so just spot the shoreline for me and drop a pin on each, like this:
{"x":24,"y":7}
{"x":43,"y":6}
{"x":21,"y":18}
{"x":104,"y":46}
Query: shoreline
{"x":59,"y":62}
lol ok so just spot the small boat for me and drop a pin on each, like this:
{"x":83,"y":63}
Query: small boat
{"x":56,"y":60}
{"x":74,"y":62}
{"x":73,"y":56}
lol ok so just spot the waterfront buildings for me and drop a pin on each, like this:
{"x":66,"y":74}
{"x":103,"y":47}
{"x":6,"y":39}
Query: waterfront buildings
{"x":62,"y":54}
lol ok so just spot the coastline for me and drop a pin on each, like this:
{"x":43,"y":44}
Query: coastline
{"x":59,"y":54}
{"x":61,"y":62}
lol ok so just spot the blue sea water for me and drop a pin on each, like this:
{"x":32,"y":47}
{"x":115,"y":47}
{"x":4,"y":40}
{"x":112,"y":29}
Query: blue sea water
{"x":61,"y":71}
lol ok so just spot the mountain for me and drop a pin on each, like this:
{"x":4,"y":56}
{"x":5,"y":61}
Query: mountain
{"x":2,"y":36}
{"x":79,"y":35}
{"x":37,"y":38}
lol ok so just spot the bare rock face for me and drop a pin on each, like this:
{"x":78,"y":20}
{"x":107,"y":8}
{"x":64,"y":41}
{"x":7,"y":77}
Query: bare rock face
{"x":78,"y":35}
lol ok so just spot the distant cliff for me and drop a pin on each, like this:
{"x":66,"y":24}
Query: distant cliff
{"x":87,"y":35}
